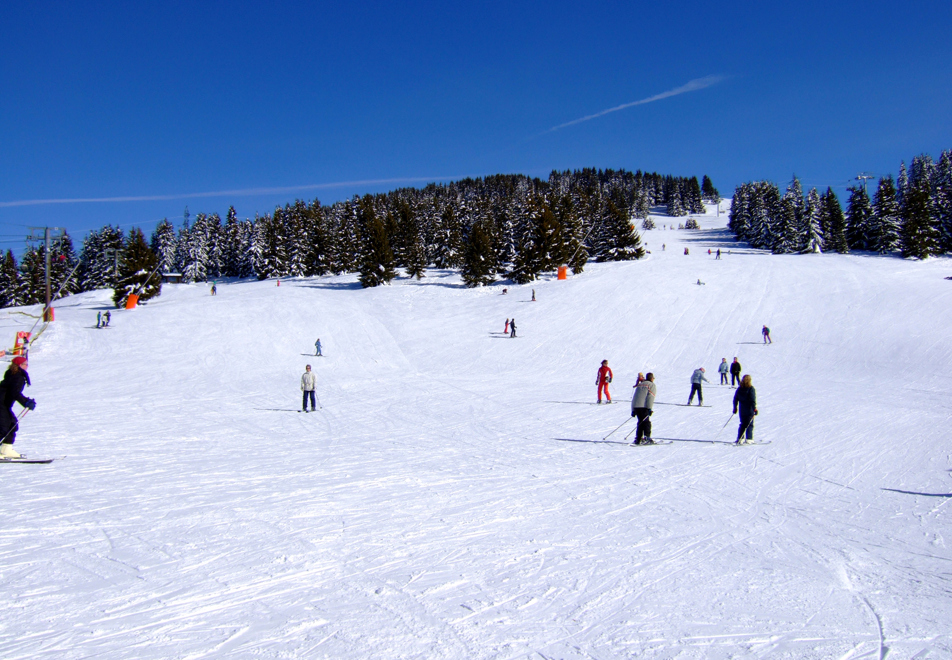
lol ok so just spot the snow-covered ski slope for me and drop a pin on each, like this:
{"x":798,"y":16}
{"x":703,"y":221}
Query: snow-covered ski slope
{"x":454,"y":497}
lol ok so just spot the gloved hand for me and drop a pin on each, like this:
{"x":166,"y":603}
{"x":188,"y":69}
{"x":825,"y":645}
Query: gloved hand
{"x":735,"y":411}
{"x":633,"y":414}
{"x":755,"y":411}
{"x":31,"y":404}
{"x":650,"y":413}
{"x":609,"y":379}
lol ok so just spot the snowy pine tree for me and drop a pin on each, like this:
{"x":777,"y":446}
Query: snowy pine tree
{"x":33,"y":275}
{"x":859,"y":212}
{"x":943,"y":200}
{"x":834,"y":224}
{"x":99,"y":259}
{"x":886,"y":220}
{"x":919,"y":237}
{"x":165,"y":246}
{"x":479,"y":259}
{"x":138,"y":271}
{"x":376,"y":262}
{"x":813,"y":237}
{"x":11,"y":284}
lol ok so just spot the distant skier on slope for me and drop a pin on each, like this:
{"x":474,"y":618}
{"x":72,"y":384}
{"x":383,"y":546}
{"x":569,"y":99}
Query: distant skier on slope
{"x":602,"y":380}
{"x":641,"y":407}
{"x":722,"y":369}
{"x":317,"y":348}
{"x":308,"y":383}
{"x":745,"y":399}
{"x":696,"y":379}
{"x":98,"y":319}
{"x":766,"y":333}
{"x":107,"y":317}
{"x":506,"y":329}
{"x":512,"y":328}
{"x":735,"y":372}
{"x":11,"y":389}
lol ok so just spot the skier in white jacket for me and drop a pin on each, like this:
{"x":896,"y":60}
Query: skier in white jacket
{"x":308,"y":383}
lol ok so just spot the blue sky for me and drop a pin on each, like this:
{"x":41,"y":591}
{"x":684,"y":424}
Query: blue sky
{"x":155,"y":106}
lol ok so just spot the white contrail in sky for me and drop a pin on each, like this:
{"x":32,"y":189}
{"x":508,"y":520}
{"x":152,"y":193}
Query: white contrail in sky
{"x":220,"y":193}
{"x":692,"y":86}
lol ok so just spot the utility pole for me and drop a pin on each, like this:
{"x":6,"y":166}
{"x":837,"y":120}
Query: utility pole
{"x":46,"y":238}
{"x":114,"y":253}
{"x":864,"y":177}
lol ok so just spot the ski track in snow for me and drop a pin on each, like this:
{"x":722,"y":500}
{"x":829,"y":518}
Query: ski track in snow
{"x":449,"y":500}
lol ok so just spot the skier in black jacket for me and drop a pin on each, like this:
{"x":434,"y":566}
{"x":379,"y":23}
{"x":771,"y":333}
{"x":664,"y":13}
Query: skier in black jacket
{"x":11,"y":389}
{"x":745,"y":398}
{"x":735,"y":372}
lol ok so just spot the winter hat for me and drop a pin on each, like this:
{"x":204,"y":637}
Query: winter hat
{"x":702,"y":369}
{"x":19,"y":361}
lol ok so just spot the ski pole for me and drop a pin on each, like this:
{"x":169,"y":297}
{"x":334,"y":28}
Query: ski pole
{"x":728,"y":421}
{"x":618,"y":427}
{"x":16,"y":424}
{"x":321,"y":405}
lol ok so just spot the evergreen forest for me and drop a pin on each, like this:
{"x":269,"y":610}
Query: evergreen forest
{"x":911,"y":216}
{"x":499,"y":227}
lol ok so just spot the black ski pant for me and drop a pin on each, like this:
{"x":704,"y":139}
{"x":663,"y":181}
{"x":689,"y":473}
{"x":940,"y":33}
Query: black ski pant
{"x":8,"y":426}
{"x":724,"y":378}
{"x":696,"y":387}
{"x":746,"y":427}
{"x":304,"y":402}
{"x":735,"y":379}
{"x":644,"y":423}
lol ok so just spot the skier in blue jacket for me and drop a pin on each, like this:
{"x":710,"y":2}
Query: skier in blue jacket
{"x":696,"y":379}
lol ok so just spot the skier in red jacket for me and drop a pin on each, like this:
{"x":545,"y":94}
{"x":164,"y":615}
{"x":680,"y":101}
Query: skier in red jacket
{"x":603,"y":379}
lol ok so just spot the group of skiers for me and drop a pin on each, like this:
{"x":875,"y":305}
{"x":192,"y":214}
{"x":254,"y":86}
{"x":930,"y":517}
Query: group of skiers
{"x":102,"y":320}
{"x":642,"y":402}
{"x":510,"y":328}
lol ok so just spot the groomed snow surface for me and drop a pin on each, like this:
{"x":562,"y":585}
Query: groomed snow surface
{"x":455,"y":496}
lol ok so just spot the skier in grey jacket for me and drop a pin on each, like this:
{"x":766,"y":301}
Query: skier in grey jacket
{"x":641,"y":407}
{"x":722,"y":369}
{"x":696,"y":379}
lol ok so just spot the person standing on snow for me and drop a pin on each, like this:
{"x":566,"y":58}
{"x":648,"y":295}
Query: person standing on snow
{"x":641,"y":404}
{"x":745,"y":400}
{"x":11,"y":389}
{"x":696,"y":379}
{"x":107,"y":316}
{"x":766,"y":333}
{"x":308,"y":383}
{"x":602,"y":380}
{"x":722,"y":369}
{"x":317,"y":348}
{"x":735,"y":372}
{"x":506,"y":330}
{"x":512,"y":328}
{"x":98,"y":319}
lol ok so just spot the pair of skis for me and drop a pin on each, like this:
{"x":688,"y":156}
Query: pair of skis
{"x":24,"y":459}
